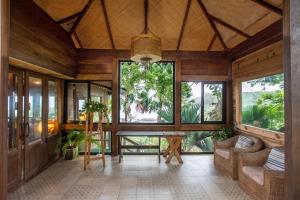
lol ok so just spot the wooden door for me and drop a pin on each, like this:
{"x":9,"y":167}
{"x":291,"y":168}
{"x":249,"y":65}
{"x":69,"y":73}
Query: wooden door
{"x":15,"y":128}
{"x":34,"y":126}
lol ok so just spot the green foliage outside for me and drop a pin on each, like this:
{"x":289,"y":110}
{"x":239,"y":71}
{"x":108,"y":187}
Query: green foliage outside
{"x":223,"y":134}
{"x":151,"y":91}
{"x":264,"y":108}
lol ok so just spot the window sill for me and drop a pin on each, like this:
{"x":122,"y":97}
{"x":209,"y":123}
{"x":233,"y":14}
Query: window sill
{"x":269,"y":136}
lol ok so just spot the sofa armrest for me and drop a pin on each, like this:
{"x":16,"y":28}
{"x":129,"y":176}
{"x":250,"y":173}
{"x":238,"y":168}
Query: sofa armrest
{"x":274,"y":184}
{"x":273,"y":174}
{"x":226,"y":144}
{"x":254,"y":159}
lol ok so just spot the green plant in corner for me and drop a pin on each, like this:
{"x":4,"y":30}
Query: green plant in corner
{"x":223,"y":134}
{"x":73,"y":140}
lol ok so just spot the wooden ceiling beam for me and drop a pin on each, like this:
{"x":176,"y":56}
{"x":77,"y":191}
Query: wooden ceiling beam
{"x":186,"y":14}
{"x":229,"y":26}
{"x":107,"y":24}
{"x":269,"y":6}
{"x":212,"y":42}
{"x":212,"y":24}
{"x":66,"y":19}
{"x":78,"y":40}
{"x":85,"y":9}
{"x":265,"y":37}
{"x":146,"y":16}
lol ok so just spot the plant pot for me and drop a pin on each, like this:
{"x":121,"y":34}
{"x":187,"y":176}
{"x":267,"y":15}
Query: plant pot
{"x":70,"y":154}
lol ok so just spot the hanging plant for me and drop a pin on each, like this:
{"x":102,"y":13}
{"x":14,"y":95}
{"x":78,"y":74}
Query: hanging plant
{"x":97,"y":107}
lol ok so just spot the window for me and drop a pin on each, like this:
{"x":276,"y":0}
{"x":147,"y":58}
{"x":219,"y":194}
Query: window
{"x":77,"y":97}
{"x":80,"y":92}
{"x":101,"y":92}
{"x":202,"y":102}
{"x":146,"y":93}
{"x":263,"y":102}
{"x":213,"y":102}
{"x":52,"y":108}
{"x":191,"y":102}
{"x":197,"y":142}
{"x":95,"y":148}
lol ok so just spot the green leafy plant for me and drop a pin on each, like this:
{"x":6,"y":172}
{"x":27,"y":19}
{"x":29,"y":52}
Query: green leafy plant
{"x":97,"y":107}
{"x":73,"y":139}
{"x":223,"y":134}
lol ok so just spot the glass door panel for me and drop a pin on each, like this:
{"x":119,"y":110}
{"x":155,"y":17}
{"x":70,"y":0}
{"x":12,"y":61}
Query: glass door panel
{"x":14,"y":123}
{"x":35,"y":101}
{"x":12,"y":111}
{"x":52,"y":108}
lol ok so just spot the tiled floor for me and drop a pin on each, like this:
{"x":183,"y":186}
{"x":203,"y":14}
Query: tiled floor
{"x":136,"y":178}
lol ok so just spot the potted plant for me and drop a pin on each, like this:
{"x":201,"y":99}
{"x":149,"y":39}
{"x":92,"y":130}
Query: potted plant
{"x":73,"y":140}
{"x":97,"y":107}
{"x":223,"y":134}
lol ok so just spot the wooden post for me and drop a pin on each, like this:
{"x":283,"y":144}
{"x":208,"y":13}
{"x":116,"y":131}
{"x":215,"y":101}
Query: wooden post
{"x":4,"y":48}
{"x":177,"y":91}
{"x":115,"y":108}
{"x":291,"y":38}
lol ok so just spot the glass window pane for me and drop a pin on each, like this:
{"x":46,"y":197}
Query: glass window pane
{"x":191,"y":102}
{"x":52,"y":108}
{"x":213,"y":102}
{"x":145,"y":141}
{"x":101,"y":91}
{"x":12,"y":110}
{"x":146,"y":94}
{"x":197,"y":141}
{"x":77,"y":97}
{"x":263,"y":102}
{"x":35,"y":108}
{"x":94,"y":147}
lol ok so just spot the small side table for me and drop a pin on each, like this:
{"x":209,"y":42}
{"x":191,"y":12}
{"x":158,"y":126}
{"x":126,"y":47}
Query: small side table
{"x":174,"y":139}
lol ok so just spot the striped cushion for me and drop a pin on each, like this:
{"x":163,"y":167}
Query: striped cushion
{"x":243,"y":142}
{"x":276,"y":159}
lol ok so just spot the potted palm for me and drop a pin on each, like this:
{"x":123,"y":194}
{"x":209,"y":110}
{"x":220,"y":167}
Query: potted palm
{"x":73,"y":140}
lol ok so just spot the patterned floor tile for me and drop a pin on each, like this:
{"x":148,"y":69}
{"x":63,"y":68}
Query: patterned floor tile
{"x":136,"y":178}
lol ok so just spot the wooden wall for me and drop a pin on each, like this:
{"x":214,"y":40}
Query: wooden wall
{"x":265,"y":62}
{"x":38,"y":43}
{"x":194,"y":65}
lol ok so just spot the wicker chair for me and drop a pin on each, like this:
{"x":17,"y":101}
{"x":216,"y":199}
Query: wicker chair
{"x":226,"y":155}
{"x":257,"y":181}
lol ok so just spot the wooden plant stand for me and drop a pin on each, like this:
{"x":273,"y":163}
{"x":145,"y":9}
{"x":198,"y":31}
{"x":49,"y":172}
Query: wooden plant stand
{"x":89,"y":137}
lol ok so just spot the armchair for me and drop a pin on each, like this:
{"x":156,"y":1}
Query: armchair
{"x":259,"y":181}
{"x":226,"y":153}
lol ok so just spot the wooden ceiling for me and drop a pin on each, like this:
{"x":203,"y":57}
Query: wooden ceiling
{"x":188,"y":25}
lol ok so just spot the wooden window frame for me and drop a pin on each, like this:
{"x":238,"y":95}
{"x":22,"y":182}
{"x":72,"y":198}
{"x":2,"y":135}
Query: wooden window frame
{"x":273,"y":136}
{"x":75,"y":123}
{"x":202,"y":121}
{"x":147,"y":124}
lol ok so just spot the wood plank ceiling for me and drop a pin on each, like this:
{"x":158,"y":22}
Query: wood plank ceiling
{"x":189,"y":25}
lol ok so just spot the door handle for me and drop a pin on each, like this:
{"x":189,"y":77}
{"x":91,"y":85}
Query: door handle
{"x":27,"y":129}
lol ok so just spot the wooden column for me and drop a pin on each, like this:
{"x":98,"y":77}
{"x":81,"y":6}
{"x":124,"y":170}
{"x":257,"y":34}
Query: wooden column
{"x":291,"y":35}
{"x":115,"y":107}
{"x":4,"y":40}
{"x":177,"y":94}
